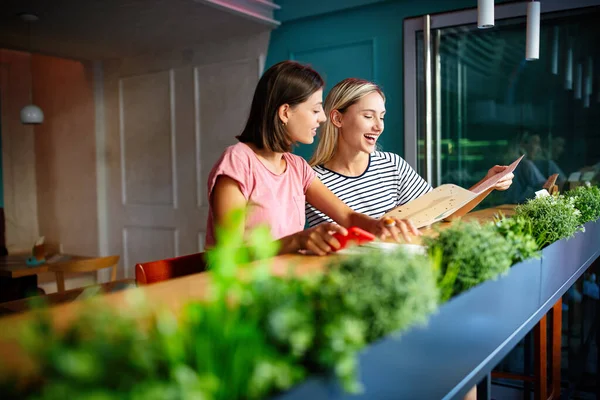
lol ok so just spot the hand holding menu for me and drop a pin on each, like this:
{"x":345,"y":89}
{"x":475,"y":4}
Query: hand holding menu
{"x":491,"y":181}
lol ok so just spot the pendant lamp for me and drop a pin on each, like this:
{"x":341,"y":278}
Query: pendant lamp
{"x":485,"y":14}
{"x":532,"y":45}
{"x":31,"y":114}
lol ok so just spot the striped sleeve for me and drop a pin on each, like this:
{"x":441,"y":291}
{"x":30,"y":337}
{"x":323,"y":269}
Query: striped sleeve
{"x":315,"y":217}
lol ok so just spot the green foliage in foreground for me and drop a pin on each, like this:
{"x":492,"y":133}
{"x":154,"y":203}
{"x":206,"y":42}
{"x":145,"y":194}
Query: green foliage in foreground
{"x":257,"y":334}
{"x":587,"y":200}
{"x":518,"y":232}
{"x":552,"y":218}
{"x":470,"y":254}
{"x":324,"y":320}
{"x":253,"y":336}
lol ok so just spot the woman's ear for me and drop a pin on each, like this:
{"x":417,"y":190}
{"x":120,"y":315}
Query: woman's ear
{"x":336,"y":118}
{"x":284,"y":113}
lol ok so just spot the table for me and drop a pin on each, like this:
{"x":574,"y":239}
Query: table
{"x":15,"y":266}
{"x":54,"y":299}
{"x":19,"y":280}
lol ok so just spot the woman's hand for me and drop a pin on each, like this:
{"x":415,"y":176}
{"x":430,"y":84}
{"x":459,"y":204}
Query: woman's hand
{"x":318,"y":240}
{"x":394,"y":227}
{"x":503,"y":183}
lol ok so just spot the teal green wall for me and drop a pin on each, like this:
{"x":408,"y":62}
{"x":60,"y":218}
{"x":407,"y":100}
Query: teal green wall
{"x":354,"y":38}
{"x":294,"y":9}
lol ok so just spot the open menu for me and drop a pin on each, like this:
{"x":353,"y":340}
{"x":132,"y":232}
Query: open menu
{"x":448,"y":201}
{"x":434,"y":206}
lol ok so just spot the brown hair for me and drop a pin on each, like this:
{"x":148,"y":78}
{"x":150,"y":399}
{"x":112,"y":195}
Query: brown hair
{"x":287,"y":82}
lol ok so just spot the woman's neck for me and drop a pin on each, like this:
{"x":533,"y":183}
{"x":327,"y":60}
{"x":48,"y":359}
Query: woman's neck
{"x":348,"y":161}
{"x":268,"y":155}
{"x":274,"y":161}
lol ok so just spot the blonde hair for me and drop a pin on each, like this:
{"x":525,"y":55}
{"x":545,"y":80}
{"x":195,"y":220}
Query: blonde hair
{"x":343,"y":95}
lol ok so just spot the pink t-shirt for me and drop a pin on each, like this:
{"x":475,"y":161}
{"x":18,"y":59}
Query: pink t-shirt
{"x":276,"y":200}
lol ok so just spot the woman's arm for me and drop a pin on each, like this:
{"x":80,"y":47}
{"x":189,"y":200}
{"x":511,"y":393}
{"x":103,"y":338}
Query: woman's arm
{"x":227,"y":196}
{"x":323,"y":199}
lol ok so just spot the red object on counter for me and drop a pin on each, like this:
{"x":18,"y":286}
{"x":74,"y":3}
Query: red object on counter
{"x":355,"y":235}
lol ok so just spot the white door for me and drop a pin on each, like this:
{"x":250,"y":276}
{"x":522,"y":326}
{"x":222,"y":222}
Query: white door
{"x":164,"y":131}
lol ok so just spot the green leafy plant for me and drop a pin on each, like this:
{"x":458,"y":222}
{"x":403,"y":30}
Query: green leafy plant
{"x":389,"y":291}
{"x":326,"y":319}
{"x":214,"y":350}
{"x":254,"y":335}
{"x":105,"y":354}
{"x":366,"y":297}
{"x":587,"y":201}
{"x":469,"y":254}
{"x":551,"y":217}
{"x":234,"y":250}
{"x":518,"y":232}
{"x":227,"y":342}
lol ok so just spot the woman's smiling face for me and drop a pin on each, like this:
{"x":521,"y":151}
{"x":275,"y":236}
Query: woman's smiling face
{"x":361,"y":124}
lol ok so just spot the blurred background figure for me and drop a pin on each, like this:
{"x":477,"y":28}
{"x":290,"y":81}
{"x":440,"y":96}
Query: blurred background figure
{"x":528,"y":177}
{"x":547,"y":159}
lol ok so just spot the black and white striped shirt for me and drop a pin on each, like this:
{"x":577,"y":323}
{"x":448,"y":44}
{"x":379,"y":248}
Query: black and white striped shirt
{"x":387,"y":183}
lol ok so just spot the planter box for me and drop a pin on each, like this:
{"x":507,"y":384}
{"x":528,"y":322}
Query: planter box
{"x":563,"y":262}
{"x":469,"y":334}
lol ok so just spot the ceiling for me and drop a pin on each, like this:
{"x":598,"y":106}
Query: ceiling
{"x":104,"y":29}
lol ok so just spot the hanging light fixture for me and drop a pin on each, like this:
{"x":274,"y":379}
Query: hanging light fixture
{"x":555,"y":38}
{"x":587,"y":91}
{"x":569,"y":68}
{"x":31,"y":114}
{"x":532,"y":45}
{"x":485,"y":14}
{"x":578,"y":81}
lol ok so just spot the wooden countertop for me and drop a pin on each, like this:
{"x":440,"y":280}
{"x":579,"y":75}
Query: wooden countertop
{"x":176,"y":292}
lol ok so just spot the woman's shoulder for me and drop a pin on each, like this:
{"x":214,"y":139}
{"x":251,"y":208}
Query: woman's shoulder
{"x":238,"y":154}
{"x":240,"y":150}
{"x":320,"y":169}
{"x":386,"y":157}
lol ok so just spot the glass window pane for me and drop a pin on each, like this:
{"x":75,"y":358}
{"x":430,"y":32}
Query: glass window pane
{"x":493,"y":105}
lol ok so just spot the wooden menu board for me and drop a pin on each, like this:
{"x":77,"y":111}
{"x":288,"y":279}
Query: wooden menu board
{"x":448,"y":201}
{"x":434,"y":206}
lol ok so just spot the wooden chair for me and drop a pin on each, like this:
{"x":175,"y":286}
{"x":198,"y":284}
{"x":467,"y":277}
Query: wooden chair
{"x":162,"y":270}
{"x":86,"y":265}
{"x":541,"y":391}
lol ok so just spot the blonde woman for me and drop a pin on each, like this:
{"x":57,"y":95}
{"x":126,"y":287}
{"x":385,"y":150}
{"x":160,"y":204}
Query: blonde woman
{"x":347,"y":161}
